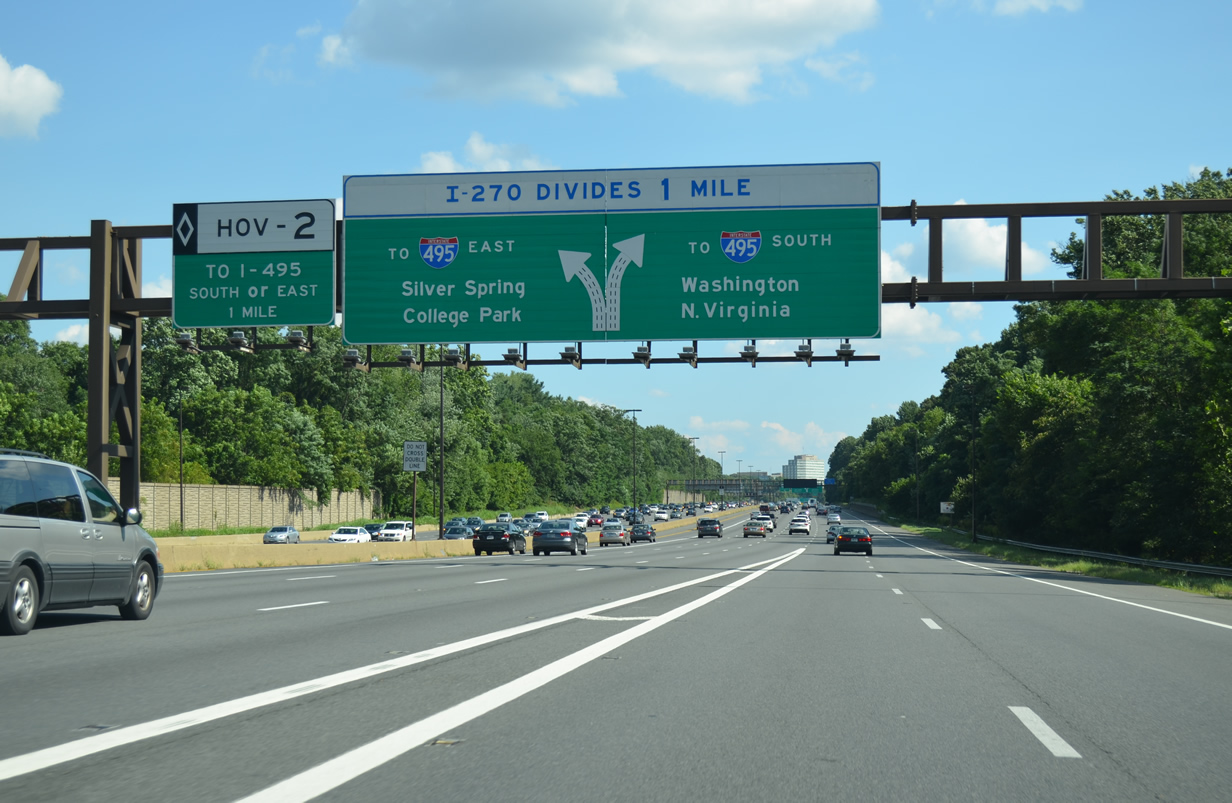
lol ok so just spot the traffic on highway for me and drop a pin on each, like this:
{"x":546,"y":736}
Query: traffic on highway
{"x":680,"y":667}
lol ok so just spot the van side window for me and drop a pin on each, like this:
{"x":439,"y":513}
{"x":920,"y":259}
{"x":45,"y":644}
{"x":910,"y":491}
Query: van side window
{"x":16,"y":489}
{"x":102,"y":506}
{"x":56,"y":492}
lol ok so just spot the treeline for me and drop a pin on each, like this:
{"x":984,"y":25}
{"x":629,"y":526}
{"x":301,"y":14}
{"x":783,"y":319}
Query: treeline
{"x":1104,"y":425}
{"x":285,"y":419}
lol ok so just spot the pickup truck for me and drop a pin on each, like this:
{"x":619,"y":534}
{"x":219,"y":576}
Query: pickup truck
{"x":707,"y":527}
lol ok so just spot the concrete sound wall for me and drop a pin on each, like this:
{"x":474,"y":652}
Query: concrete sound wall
{"x":213,"y":506}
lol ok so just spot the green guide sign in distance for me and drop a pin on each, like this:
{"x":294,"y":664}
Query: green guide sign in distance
{"x":267,"y":263}
{"x":723,"y":253}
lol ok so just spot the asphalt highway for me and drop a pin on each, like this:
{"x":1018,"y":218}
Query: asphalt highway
{"x":688,"y":669}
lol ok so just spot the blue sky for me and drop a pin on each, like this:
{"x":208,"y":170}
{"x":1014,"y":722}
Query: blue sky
{"x":119,"y":111}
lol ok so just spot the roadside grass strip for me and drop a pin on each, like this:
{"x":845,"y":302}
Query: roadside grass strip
{"x":17,"y":766}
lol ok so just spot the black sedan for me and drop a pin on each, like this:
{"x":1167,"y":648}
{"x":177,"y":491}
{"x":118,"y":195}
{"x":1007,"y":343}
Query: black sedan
{"x":853,"y":539}
{"x":499,"y":537}
{"x":559,"y":535}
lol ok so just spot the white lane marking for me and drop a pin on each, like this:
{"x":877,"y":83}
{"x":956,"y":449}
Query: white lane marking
{"x":617,"y":618}
{"x":680,"y":557}
{"x":531,"y":560}
{"x":931,"y":624}
{"x":1047,"y":736}
{"x":316,"y":577}
{"x":301,"y":605}
{"x":59,"y":754}
{"x":881,"y":575}
{"x":348,"y":766}
{"x":587,"y":569}
{"x":497,"y":580}
{"x":642,"y":561}
{"x":1068,"y":588}
{"x":450,"y":566}
{"x":896,"y":591}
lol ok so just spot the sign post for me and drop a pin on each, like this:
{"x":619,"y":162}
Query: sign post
{"x":720,"y":253}
{"x":414,"y":459}
{"x":266,"y":263}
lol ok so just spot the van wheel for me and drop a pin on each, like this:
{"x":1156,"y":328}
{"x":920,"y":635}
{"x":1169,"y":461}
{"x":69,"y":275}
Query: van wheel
{"x":21,"y":605}
{"x":141,"y":602}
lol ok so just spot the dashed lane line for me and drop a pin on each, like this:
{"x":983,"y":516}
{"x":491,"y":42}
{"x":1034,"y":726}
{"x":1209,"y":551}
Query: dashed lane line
{"x":1047,"y":736}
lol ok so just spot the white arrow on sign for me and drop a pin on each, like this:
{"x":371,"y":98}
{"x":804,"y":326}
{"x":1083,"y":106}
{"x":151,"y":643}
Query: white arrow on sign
{"x":630,"y":251}
{"x":574,"y":264}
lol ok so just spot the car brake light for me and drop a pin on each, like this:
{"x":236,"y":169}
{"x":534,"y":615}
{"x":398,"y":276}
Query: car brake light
{"x":505,"y":537}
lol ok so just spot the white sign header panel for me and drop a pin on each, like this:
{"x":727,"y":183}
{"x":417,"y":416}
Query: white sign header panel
{"x":672,"y":189}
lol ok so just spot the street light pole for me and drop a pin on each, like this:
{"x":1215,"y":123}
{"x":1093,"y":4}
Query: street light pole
{"x":693,"y":447}
{"x":440,"y":532}
{"x":181,"y":459}
{"x":722,"y":483}
{"x":633,"y":455}
{"x":740,"y":477}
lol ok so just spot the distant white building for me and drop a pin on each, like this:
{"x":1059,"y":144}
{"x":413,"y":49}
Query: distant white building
{"x":804,"y":467}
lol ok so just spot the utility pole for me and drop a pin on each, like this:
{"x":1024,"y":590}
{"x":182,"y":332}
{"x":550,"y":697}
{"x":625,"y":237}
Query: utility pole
{"x":740,"y":477}
{"x":181,"y":459}
{"x":722,"y":478}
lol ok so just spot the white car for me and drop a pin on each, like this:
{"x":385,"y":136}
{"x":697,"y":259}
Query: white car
{"x":799,"y":524}
{"x":504,"y":518}
{"x":661,"y":515}
{"x":541,"y":515}
{"x":349,"y":535}
{"x":833,"y":518}
{"x":396,"y":531}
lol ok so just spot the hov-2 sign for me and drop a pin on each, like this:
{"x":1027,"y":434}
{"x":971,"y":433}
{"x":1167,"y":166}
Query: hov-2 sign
{"x":265,"y":263}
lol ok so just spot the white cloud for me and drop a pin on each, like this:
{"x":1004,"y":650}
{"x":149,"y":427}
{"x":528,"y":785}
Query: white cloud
{"x":784,"y":437}
{"x":696,"y":422}
{"x":1195,"y":171}
{"x":975,"y":244}
{"x":550,"y":51}
{"x":590,"y":401}
{"x":659,"y":394}
{"x":907,"y":328}
{"x":334,"y":52}
{"x":78,"y":333}
{"x":966,"y":311}
{"x":273,"y":63}
{"x":158,"y":288}
{"x":893,"y":271}
{"x":845,"y":69}
{"x":481,"y":155}
{"x":1012,"y":7}
{"x":309,"y":30}
{"x":813,"y":440}
{"x":27,"y":95}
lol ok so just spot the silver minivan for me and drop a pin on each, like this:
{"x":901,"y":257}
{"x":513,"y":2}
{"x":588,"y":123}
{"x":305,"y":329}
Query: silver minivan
{"x":65,"y":543}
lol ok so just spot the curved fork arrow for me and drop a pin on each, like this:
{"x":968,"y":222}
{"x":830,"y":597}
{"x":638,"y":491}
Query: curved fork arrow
{"x":630,"y":251}
{"x":574,"y":264}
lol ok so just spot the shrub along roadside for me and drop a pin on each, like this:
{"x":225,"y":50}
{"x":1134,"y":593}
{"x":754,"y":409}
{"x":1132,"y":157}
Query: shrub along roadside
{"x":1196,"y":584}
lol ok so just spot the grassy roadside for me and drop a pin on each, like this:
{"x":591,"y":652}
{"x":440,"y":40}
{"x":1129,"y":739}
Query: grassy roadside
{"x":1196,"y":584}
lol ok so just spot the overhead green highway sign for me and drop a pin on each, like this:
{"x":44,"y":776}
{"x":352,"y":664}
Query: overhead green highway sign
{"x":719,"y":253}
{"x":266,"y":263}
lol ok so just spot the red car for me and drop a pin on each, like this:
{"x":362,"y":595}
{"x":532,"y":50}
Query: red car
{"x":595,"y":521}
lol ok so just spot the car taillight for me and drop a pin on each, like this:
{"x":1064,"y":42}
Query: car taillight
{"x":474,"y":536}
{"x":505,"y":537}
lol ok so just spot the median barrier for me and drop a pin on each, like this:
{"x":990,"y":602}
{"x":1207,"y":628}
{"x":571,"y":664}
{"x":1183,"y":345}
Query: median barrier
{"x":246,"y":551}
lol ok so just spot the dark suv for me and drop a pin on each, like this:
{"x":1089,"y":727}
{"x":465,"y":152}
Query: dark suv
{"x":65,"y":543}
{"x":707,"y":527}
